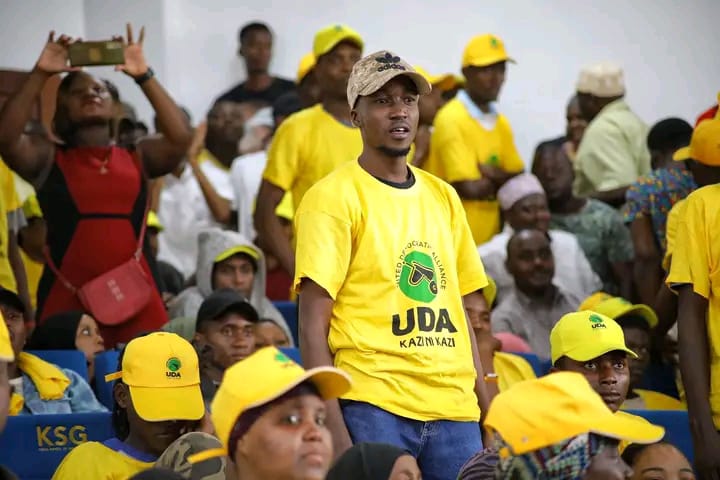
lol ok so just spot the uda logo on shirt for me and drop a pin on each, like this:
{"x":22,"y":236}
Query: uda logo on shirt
{"x":420,"y":276}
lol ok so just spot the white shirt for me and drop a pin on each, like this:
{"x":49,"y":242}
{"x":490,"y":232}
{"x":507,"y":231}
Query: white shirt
{"x":487,"y":120}
{"x":246,"y":176}
{"x":219,"y":178}
{"x":183,"y":212}
{"x":573,"y":272}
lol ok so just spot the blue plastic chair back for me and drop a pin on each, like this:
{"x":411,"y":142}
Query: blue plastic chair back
{"x":677,"y":427}
{"x":534,"y":361}
{"x":71,"y":359}
{"x":32,"y":446}
{"x":289,"y":312}
{"x":293,"y":353}
{"x":105,"y":363}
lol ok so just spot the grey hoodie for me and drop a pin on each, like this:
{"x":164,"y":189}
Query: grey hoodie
{"x":211,"y":243}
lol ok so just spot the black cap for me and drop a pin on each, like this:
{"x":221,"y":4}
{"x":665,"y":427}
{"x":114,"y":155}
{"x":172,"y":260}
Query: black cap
{"x":11,"y":299}
{"x":225,"y":301}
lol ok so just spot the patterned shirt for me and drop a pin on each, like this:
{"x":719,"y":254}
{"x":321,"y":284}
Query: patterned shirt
{"x":654,"y":195}
{"x":603,"y":237}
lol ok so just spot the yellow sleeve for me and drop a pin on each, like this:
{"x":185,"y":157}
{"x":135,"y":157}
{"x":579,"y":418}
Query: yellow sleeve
{"x":79,"y":464}
{"x":470,"y":270}
{"x":324,"y":242}
{"x":510,"y":160}
{"x":691,"y":257}
{"x":453,"y":156}
{"x":7,"y":183}
{"x":283,"y":161}
{"x":671,"y":227}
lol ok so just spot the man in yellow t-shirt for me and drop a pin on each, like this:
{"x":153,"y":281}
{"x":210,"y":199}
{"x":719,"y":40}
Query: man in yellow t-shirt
{"x":384,"y":259}
{"x":695,"y":275}
{"x":313,"y":142}
{"x":12,"y":219}
{"x":472,"y":144}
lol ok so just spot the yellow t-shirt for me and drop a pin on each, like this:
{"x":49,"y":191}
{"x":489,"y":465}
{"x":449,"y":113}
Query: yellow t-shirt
{"x":696,"y":261}
{"x":671,"y":226}
{"x":511,"y":369}
{"x":95,"y":460}
{"x":308,"y":145}
{"x":459,"y":143}
{"x":8,"y":203}
{"x":656,"y":401}
{"x":33,"y":272}
{"x":396,"y":262}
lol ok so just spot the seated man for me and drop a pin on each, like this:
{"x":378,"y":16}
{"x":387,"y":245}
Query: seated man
{"x":565,"y":431}
{"x":40,"y":387}
{"x":524,"y":205}
{"x":636,"y":322}
{"x":534,"y":304}
{"x":226,"y":260}
{"x":224,"y":335}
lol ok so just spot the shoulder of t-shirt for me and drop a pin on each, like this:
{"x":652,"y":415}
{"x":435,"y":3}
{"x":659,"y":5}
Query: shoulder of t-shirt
{"x":302,"y":120}
{"x":235,"y":94}
{"x":703,"y":194}
{"x":450,"y":112}
{"x":603,"y":207}
{"x":285,"y":83}
{"x":338,"y":183}
{"x":563,"y":236}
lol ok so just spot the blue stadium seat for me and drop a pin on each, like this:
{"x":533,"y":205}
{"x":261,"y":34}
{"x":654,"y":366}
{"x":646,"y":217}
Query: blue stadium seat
{"x":289,"y":312}
{"x":293,"y":353}
{"x":70,"y":359}
{"x":677,"y":427}
{"x":105,"y":363}
{"x":32,"y":446}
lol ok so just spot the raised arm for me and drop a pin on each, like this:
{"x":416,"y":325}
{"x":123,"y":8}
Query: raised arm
{"x":161,"y":154}
{"x":29,"y":157}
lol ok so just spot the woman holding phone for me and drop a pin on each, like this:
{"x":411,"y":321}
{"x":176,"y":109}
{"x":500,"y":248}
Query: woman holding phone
{"x":93,"y":193}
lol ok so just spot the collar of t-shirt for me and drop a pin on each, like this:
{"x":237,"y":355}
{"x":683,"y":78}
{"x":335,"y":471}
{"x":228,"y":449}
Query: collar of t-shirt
{"x":487,"y":120}
{"x":118,"y":445}
{"x":409,"y":182}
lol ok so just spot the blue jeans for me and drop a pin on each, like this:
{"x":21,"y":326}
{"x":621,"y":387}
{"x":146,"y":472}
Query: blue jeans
{"x":441,"y":446}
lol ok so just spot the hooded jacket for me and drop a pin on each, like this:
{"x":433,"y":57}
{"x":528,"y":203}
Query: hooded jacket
{"x":212,"y":243}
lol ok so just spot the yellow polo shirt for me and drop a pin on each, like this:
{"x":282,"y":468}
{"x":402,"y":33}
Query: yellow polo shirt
{"x":308,"y":145}
{"x":459,"y":143}
{"x":397,"y":262}
{"x":696,"y":261}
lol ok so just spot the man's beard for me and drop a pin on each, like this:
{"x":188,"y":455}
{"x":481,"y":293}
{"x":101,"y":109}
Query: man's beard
{"x":394,"y":152}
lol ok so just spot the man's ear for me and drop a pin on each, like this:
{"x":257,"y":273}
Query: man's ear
{"x":355,"y":118}
{"x":121,"y":394}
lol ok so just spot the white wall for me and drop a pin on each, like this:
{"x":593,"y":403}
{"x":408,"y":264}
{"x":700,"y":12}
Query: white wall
{"x":664,"y":45}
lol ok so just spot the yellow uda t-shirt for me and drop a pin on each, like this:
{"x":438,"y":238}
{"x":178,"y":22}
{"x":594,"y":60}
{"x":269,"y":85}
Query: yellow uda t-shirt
{"x":458,"y":144}
{"x":397,"y":262}
{"x":9,"y":202}
{"x":511,"y":369}
{"x":696,"y":261}
{"x":308,"y":145}
{"x":95,"y":460}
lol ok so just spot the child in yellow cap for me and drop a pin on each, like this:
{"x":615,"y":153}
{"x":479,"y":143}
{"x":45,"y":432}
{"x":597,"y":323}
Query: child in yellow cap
{"x":269,"y":414}
{"x":157,"y":400}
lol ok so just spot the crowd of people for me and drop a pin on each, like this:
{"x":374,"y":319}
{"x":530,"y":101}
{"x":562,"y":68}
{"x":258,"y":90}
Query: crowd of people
{"x":431,"y":265}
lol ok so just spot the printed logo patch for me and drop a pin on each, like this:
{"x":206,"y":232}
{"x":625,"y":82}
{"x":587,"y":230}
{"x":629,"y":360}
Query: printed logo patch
{"x":417,"y":278}
{"x":597,"y":321}
{"x":173,"y":365}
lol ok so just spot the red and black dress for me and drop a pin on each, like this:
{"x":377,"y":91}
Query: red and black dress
{"x":93,"y":201}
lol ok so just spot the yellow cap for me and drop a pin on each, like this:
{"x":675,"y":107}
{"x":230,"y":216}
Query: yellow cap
{"x":307,"y":63}
{"x":442,"y":82}
{"x":235,"y":250}
{"x":616,"y":307}
{"x":704,"y":146}
{"x":490,"y":291}
{"x":484,"y":50}
{"x":154,"y":222}
{"x":585,"y":335}
{"x":538,"y":413}
{"x":262,"y":377}
{"x":327,"y":38}
{"x":162,"y":372}
{"x":6,"y":350}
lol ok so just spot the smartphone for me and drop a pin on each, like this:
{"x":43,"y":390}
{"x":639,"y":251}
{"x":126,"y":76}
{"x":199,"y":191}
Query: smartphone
{"x":108,"y":52}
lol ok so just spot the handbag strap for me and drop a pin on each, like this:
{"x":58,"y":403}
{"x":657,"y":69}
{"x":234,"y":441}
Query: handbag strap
{"x":141,"y":238}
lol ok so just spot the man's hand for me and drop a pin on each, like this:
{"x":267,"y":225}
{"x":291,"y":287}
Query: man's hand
{"x":54,"y":56}
{"x":495,"y":174}
{"x":707,"y":456}
{"x":135,"y":64}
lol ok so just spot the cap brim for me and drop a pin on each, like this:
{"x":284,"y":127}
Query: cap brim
{"x":590,"y":351}
{"x":682,"y":154}
{"x":154,"y":404}
{"x":444,"y":82}
{"x":627,"y":427}
{"x":330,"y":382}
{"x":643,"y":311}
{"x":489,"y":61}
{"x":354,"y":39}
{"x":235,"y":250}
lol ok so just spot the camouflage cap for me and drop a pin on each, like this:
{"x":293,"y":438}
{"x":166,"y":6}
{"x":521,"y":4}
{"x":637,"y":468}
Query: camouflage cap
{"x":175,"y":457}
{"x":375,"y":70}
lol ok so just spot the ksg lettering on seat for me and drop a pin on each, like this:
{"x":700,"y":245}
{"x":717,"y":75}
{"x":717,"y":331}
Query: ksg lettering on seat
{"x":53,"y":439}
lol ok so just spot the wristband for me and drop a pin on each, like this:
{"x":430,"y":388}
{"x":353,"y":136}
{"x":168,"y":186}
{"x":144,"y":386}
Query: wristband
{"x":144,"y":77}
{"x":491,"y":378}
